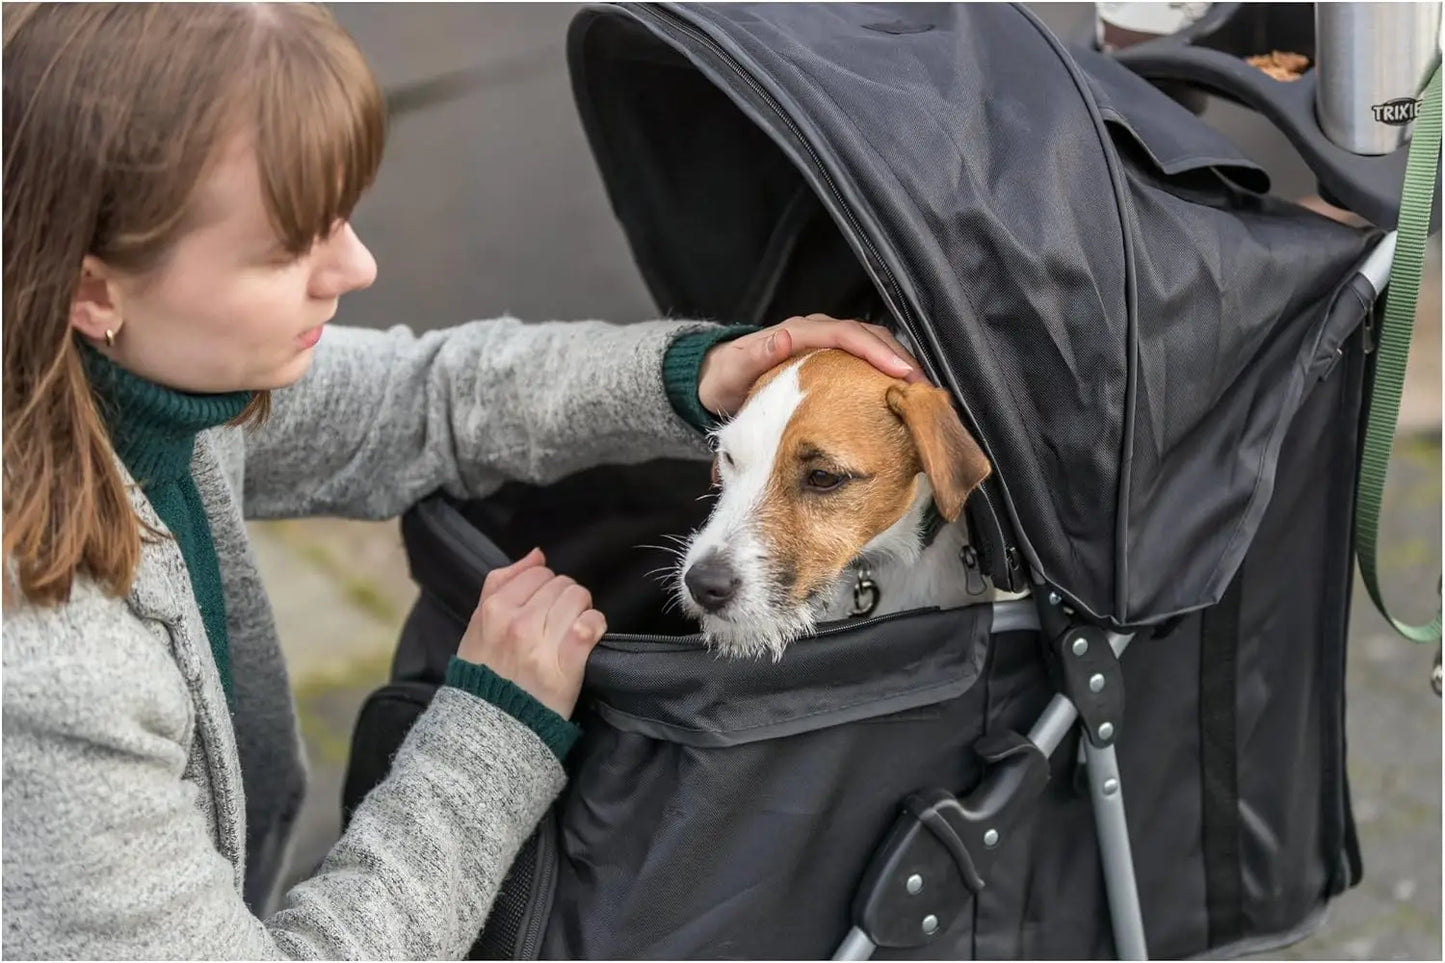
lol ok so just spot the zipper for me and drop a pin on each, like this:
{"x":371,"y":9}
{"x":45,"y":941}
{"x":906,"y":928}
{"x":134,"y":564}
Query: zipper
{"x":997,"y":556}
{"x":540,"y":908}
{"x":973,"y":577}
{"x":695,"y":641}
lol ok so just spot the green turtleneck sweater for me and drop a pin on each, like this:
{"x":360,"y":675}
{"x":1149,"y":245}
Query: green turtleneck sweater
{"x":153,"y":430}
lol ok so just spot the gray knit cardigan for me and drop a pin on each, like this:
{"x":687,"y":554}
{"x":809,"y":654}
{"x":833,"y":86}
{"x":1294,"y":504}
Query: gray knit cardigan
{"x":141,"y":819}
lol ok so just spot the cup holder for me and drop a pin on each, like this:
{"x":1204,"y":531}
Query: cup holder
{"x":1247,"y":29}
{"x":1209,"y":56}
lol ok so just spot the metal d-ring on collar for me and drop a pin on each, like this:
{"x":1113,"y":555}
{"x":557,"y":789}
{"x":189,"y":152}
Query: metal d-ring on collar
{"x":866,"y":593}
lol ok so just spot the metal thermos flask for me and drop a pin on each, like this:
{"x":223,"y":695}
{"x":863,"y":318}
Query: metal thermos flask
{"x":1371,"y":62}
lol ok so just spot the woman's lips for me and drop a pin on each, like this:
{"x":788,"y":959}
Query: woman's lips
{"x":309,"y":337}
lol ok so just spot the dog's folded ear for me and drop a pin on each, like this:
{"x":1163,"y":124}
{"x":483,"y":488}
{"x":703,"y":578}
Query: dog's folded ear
{"x":952,"y":460}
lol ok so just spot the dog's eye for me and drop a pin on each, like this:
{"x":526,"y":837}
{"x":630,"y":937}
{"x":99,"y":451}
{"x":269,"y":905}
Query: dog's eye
{"x":824,"y":481}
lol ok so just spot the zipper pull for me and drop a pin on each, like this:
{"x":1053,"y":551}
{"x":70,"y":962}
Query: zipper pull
{"x":973,"y":572}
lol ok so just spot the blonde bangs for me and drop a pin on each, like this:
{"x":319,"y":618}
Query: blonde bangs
{"x":321,"y":125}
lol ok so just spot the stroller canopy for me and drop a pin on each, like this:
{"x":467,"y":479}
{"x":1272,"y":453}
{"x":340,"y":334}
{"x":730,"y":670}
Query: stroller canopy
{"x":1127,"y":321}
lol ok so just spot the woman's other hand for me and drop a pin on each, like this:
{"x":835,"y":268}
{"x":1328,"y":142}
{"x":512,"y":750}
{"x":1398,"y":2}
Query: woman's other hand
{"x":534,"y":628}
{"x":729,"y":369}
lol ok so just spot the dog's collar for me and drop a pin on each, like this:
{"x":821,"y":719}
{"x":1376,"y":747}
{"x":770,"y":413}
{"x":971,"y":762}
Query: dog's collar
{"x":865,"y":591}
{"x":931,"y":525}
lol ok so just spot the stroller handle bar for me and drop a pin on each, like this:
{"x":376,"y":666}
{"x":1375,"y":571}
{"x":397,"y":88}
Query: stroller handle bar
{"x":1376,"y":267}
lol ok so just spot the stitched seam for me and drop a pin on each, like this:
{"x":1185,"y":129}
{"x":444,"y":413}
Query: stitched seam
{"x":764,"y":725}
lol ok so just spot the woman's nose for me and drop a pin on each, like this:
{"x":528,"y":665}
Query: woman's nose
{"x":347,"y":267}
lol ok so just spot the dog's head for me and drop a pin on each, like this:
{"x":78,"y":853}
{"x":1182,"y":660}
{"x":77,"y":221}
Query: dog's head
{"x":825,"y":462}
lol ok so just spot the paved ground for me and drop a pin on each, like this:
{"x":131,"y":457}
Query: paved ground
{"x":488,"y":203}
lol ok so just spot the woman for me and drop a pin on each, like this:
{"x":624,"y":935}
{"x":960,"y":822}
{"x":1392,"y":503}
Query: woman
{"x":177,"y":185}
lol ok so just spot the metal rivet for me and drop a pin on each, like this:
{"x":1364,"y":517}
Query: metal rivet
{"x":1096,"y":682}
{"x":1080,"y":646}
{"x":914,"y":884}
{"x":1106,"y":731}
{"x":990,"y":838}
{"x":930,"y":924}
{"x":1111,"y":786}
{"x":1055,"y":598}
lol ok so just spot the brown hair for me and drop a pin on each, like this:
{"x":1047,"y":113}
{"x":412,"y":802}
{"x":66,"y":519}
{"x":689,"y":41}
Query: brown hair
{"x":113,"y":113}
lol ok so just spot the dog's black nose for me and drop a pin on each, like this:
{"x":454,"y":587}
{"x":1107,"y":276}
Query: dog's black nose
{"x":711,"y":581}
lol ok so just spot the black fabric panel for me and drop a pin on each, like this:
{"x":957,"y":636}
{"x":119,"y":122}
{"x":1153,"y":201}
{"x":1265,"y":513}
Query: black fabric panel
{"x":1213,"y":413}
{"x":1294,"y":815}
{"x":1219,"y":779}
{"x":852,"y":671}
{"x":604,"y":527}
{"x":751,"y":851}
{"x":1342,"y":845}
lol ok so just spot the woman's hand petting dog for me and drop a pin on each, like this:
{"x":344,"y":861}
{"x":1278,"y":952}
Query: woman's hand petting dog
{"x":534,"y":628}
{"x":729,"y":370}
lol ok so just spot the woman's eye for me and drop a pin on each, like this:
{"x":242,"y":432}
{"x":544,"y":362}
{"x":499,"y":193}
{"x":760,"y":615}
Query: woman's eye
{"x":823,"y":481}
{"x":282,"y":258}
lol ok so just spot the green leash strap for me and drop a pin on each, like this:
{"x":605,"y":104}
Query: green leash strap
{"x":1396,"y":329}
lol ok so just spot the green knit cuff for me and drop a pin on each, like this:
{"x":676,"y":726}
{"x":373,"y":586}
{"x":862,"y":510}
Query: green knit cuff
{"x":682,"y":364}
{"x":482,"y":682}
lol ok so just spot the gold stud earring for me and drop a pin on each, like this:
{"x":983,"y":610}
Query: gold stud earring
{"x":109,"y":338}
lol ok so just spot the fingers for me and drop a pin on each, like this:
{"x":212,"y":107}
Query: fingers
{"x":516,"y":593}
{"x":873,"y":343}
{"x":536,"y":629}
{"x":579,"y":639}
{"x":497,"y":578}
{"x":564,"y":610}
{"x":545,"y":599}
{"x":527,"y":626}
{"x":896,"y":347}
{"x":777,"y":347}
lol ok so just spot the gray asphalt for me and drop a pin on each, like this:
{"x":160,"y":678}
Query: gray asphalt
{"x":488,"y":203}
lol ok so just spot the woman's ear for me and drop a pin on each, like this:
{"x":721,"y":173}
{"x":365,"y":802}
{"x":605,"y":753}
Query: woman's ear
{"x":95,"y":308}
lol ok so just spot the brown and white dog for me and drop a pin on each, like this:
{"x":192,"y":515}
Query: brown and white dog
{"x":829,"y":478}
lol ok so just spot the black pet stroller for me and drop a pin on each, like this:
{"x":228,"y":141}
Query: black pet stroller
{"x":1167,"y":368}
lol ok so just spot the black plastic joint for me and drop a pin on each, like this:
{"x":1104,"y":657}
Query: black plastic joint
{"x":940,"y":849}
{"x":1090,"y":677}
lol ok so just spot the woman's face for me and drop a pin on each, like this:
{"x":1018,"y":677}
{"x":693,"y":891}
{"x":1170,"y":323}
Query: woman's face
{"x":227,"y":309}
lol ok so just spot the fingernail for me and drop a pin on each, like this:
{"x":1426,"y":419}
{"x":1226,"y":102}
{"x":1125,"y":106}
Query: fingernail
{"x":772,"y":344}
